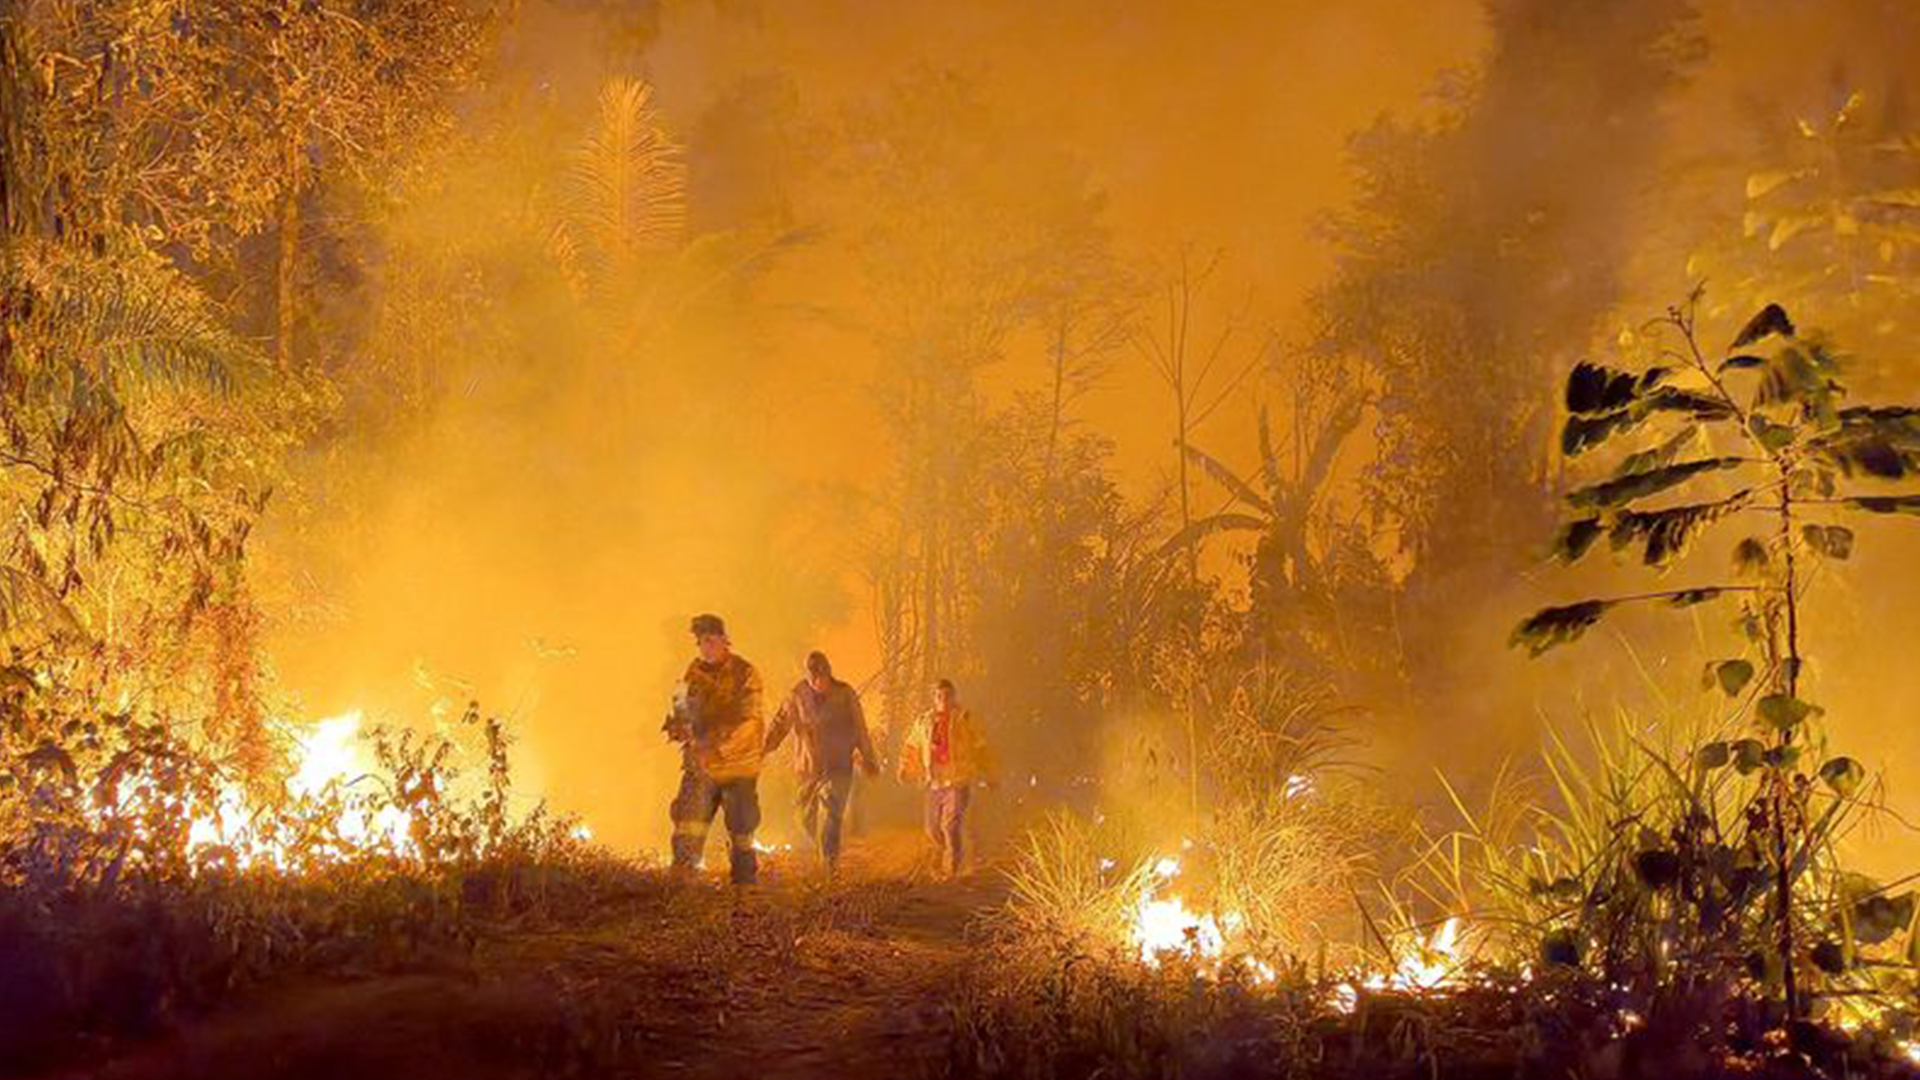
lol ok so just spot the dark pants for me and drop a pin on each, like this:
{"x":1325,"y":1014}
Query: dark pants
{"x":947,"y":822}
{"x":823,"y":805}
{"x":693,"y":809}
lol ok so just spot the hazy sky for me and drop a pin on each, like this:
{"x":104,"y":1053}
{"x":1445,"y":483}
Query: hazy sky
{"x":1217,"y":124}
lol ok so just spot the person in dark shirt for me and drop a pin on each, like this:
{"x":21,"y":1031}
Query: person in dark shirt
{"x":829,"y":729}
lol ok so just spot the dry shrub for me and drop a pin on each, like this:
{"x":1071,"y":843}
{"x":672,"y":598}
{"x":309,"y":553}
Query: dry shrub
{"x":1272,"y":835}
{"x":1291,"y":868}
{"x":1073,"y":887}
{"x":1019,"y":1015}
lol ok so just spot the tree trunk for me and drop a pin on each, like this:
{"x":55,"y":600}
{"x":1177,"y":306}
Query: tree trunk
{"x":930,"y":597}
{"x":1180,"y":453}
{"x":289,"y":264}
{"x":1056,"y":413}
{"x":894,"y":675}
{"x":1782,"y":790}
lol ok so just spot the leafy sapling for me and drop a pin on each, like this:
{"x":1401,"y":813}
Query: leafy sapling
{"x":1760,"y":434}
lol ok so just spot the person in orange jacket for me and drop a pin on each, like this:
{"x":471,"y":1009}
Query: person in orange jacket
{"x":719,"y":720}
{"x":946,"y":750}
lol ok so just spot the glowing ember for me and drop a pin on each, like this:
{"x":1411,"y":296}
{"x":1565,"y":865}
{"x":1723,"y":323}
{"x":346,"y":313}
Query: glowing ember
{"x":1434,"y":965}
{"x":1163,"y":926}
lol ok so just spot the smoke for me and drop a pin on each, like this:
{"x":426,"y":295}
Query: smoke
{"x":553,"y":452}
{"x":564,"y":437}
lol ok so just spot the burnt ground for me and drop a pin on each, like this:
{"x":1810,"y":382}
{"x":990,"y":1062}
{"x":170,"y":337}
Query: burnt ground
{"x":798,"y":978}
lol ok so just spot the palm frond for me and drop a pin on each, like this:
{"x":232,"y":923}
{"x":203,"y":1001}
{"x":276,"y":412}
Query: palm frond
{"x":1339,"y":423}
{"x":629,"y":185}
{"x":123,"y":320}
{"x":1269,"y":461}
{"x":1227,"y":478}
{"x":1205,"y":527}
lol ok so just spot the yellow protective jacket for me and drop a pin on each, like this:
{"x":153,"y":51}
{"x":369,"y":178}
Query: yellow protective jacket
{"x":727,"y":698}
{"x":968,"y":761}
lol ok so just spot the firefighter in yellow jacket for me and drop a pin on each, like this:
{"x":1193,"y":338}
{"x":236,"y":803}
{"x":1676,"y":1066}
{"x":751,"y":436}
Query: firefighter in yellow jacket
{"x":946,"y":750}
{"x":719,"y":720}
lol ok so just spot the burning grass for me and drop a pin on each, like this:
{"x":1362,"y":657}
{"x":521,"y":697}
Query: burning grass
{"x":1615,"y":926}
{"x":141,"y":879}
{"x":1033,"y":1007}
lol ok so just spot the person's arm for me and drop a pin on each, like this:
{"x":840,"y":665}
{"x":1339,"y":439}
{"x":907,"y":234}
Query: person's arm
{"x":910,"y":769}
{"x":778,"y":727}
{"x":869,"y":761}
{"x":678,"y":725}
{"x":752,"y":698}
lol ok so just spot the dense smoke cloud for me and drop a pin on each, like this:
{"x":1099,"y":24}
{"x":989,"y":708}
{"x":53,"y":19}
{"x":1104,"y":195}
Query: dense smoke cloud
{"x":539,"y":542}
{"x":587,"y":474}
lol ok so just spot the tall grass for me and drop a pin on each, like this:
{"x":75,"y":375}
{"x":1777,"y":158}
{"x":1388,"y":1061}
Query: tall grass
{"x":1072,"y":884}
{"x":1290,"y":869}
{"x":1639,"y":857}
{"x":1281,"y":840}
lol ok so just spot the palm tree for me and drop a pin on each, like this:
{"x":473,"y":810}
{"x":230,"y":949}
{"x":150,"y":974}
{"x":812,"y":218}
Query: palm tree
{"x":626,"y":196}
{"x":618,"y":231}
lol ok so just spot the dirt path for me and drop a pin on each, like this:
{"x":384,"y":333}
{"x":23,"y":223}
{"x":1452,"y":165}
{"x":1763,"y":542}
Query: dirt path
{"x":801,"y":978}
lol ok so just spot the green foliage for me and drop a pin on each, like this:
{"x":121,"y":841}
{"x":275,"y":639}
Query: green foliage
{"x":1830,"y":218}
{"x":1885,"y":504}
{"x":1802,"y":446}
{"x":1833,"y":541}
{"x":140,"y":432}
{"x":124,"y":320}
{"x":1844,"y":775}
{"x":1647,"y":865}
{"x":1620,"y":491}
{"x":1732,"y":675}
{"x":1783,"y":712}
{"x":1551,"y":627}
{"x":1746,"y":852}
